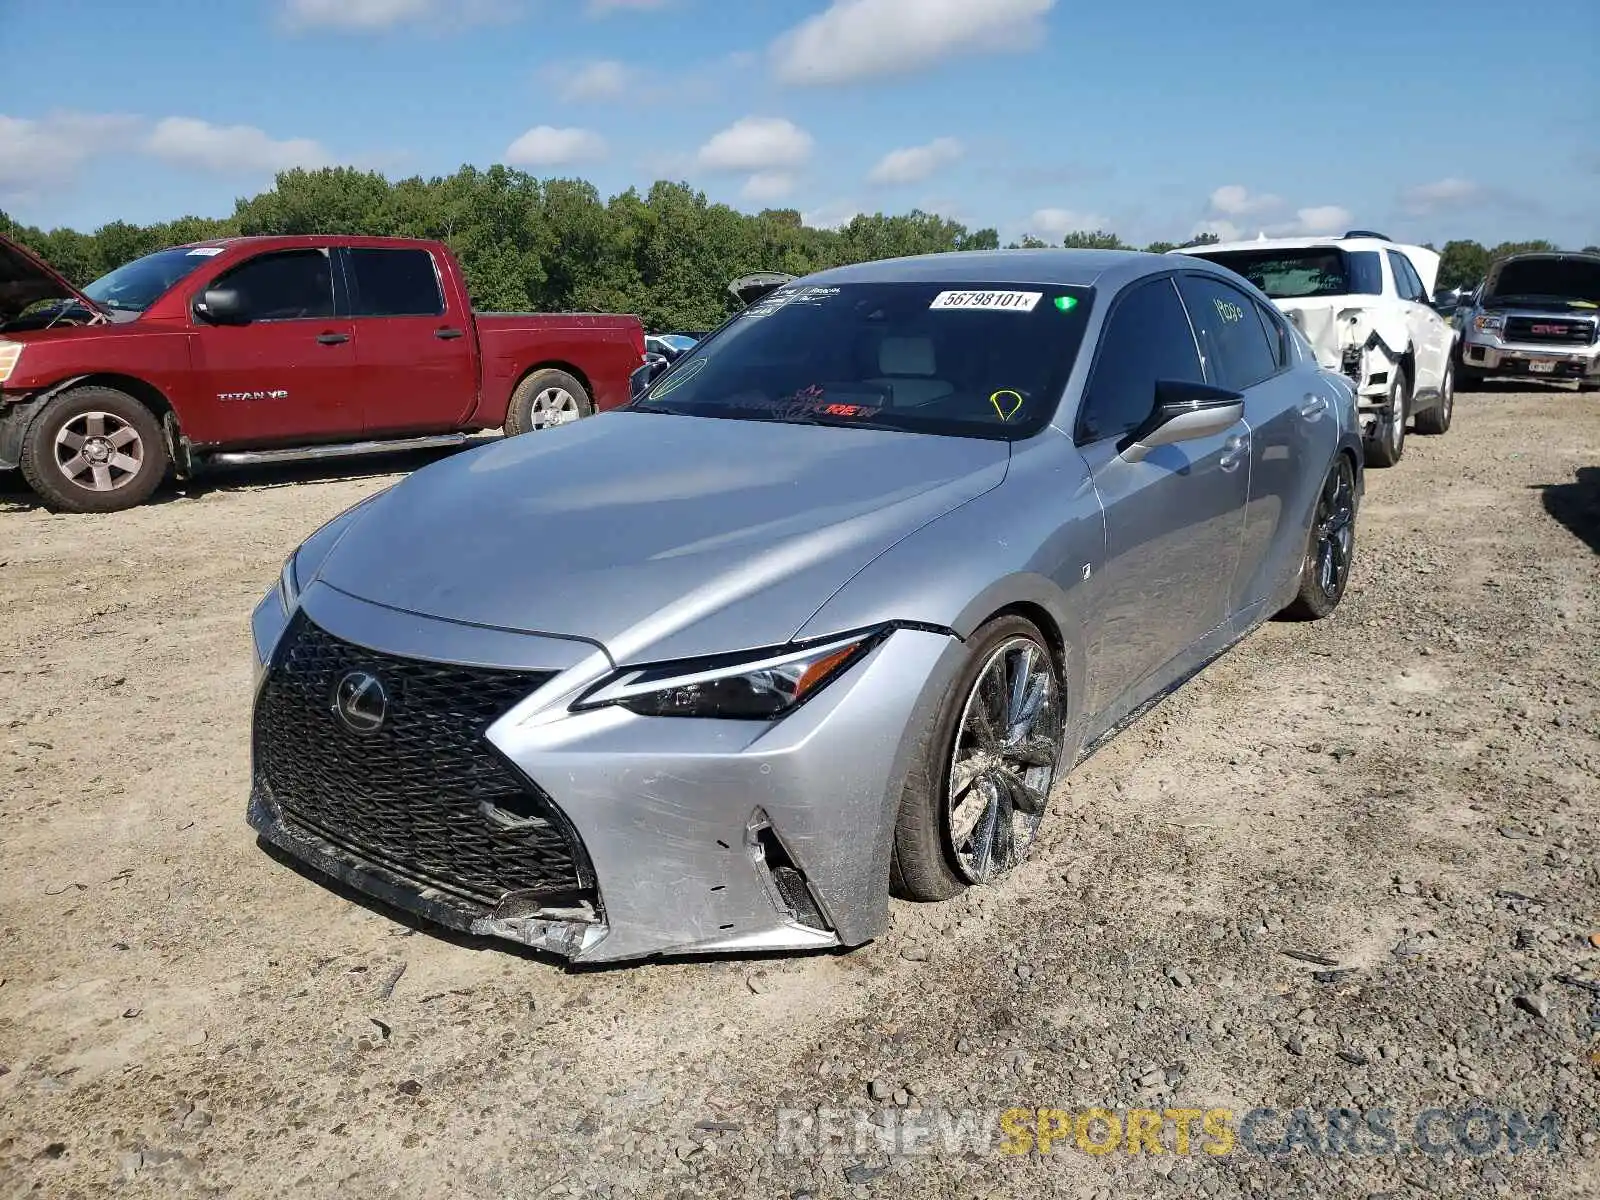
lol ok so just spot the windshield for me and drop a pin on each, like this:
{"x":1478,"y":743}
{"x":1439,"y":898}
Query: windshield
{"x":977,"y":360}
{"x":135,"y":286}
{"x":1570,"y":281}
{"x":1300,"y":274}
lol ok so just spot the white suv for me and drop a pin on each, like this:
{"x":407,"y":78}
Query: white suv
{"x":1363,"y":303}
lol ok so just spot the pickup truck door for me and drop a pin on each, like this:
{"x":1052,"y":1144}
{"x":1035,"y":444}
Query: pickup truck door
{"x":283,"y":373}
{"x":415,"y":342}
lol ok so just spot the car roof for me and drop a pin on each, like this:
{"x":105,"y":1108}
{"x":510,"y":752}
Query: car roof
{"x":1294,"y":243}
{"x":1059,"y":268}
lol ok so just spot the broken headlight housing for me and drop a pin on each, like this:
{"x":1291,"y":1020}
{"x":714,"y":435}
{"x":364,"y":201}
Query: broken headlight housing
{"x":760,"y":685}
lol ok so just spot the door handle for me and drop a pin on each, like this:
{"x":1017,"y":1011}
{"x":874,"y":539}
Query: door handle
{"x":1237,"y":448}
{"x":1314,"y":406}
{"x":447,"y":335}
{"x":332,"y":339}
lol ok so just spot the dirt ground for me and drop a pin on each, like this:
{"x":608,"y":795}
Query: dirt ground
{"x":1409,"y":789}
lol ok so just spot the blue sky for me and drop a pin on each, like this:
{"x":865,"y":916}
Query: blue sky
{"x":1428,"y":119}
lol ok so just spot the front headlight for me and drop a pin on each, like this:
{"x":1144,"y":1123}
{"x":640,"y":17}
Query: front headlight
{"x":289,"y":583}
{"x":10,"y":355}
{"x":756,"y":686}
{"x":1489,"y":323}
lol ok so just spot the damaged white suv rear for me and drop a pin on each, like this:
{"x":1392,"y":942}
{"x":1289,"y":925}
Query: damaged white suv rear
{"x":1362,"y":301}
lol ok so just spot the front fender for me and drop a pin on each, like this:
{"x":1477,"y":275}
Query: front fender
{"x":1023,"y":545}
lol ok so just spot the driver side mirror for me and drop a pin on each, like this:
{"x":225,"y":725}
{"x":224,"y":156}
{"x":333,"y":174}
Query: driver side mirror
{"x":1184,"y":411}
{"x":643,"y":376}
{"x":222,"y":306}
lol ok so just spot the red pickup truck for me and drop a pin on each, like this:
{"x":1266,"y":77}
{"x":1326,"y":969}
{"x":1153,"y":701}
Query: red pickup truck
{"x":260,"y":349}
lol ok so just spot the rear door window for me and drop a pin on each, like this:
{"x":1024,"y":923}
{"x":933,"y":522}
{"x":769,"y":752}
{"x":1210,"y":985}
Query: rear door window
{"x":1233,"y":341}
{"x":393,"y":283}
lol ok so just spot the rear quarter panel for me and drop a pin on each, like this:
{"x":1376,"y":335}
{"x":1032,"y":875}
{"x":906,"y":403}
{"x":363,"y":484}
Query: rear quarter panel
{"x":601,"y":350}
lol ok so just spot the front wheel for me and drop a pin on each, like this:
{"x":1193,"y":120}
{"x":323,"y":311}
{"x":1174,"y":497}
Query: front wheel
{"x":93,"y":449}
{"x":1388,"y":442}
{"x":546,"y":399}
{"x":1331,"y":547}
{"x":978,"y":788}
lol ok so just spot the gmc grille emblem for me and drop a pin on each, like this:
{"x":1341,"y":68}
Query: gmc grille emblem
{"x":1551,"y":330}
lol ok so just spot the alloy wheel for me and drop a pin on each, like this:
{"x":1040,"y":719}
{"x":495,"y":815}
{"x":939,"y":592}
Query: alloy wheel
{"x":1007,"y":750}
{"x":99,"y":451}
{"x":553,"y":406}
{"x":1335,"y":531}
{"x":1397,"y":419}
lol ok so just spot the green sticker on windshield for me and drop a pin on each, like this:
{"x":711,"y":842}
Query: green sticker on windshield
{"x":1066,"y":303}
{"x":677,"y":379}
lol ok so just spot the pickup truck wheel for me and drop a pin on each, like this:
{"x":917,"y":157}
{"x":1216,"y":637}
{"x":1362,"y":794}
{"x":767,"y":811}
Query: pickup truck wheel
{"x":1388,"y":442}
{"x":546,"y":399}
{"x":93,"y":449}
{"x":1437,"y":418}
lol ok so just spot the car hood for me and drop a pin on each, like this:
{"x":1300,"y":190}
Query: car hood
{"x":657,"y":536}
{"x":26,"y":279}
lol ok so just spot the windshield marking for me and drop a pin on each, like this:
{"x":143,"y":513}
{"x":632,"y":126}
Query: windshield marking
{"x":988,"y":301}
{"x":1003,"y":397}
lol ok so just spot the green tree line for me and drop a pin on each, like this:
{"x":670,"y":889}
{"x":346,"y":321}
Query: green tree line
{"x":554,"y":245}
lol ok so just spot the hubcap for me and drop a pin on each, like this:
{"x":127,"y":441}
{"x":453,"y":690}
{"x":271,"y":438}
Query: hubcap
{"x":1448,"y":403}
{"x":99,"y":451}
{"x":1397,"y":417}
{"x":554,"y":406}
{"x":1336,"y":531}
{"x":1007,"y":749}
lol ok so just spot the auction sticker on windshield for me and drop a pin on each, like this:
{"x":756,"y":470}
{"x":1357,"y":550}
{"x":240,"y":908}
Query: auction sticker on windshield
{"x":1000,"y":301}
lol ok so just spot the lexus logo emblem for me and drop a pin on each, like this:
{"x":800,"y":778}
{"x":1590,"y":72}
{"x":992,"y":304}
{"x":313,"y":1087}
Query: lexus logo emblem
{"x":360,"y":702}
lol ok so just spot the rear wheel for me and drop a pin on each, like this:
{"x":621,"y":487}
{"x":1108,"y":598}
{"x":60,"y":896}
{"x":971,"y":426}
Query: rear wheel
{"x":546,"y":399}
{"x":93,"y":449}
{"x":978,"y":788}
{"x":1388,"y":442}
{"x":1331,"y":547}
{"x":1437,"y":418}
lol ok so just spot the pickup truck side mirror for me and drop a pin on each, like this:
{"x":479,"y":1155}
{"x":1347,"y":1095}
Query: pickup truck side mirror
{"x":643,"y":376}
{"x":1183,"y":411}
{"x":222,"y":306}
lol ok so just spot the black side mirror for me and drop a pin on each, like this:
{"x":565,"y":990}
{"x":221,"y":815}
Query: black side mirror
{"x":643,"y":376}
{"x":1183,"y":411}
{"x":222,"y":306}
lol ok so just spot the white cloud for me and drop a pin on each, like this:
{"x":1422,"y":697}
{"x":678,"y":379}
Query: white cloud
{"x":913,"y":164}
{"x":1236,"y":200}
{"x":1053,"y":224}
{"x":1322,"y":218}
{"x":375,"y":16}
{"x":860,"y":39}
{"x":230,"y":149}
{"x":49,"y":150}
{"x":1312,"y":221}
{"x":757,"y":144}
{"x":834,"y":215}
{"x":1427,"y":198}
{"x":605,"y":79}
{"x":767,"y":186}
{"x":547,"y":146}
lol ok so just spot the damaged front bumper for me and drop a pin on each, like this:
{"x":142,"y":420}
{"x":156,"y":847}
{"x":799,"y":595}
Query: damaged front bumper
{"x":701,"y":836}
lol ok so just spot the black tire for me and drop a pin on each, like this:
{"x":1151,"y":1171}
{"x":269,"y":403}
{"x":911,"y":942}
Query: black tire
{"x":1436,"y":420}
{"x":1386,"y":449}
{"x":924,"y":864}
{"x":545,"y":399}
{"x":1335,"y":514}
{"x":119,"y":458}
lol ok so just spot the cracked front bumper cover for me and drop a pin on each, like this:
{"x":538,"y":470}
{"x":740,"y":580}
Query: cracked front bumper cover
{"x":687,"y":822}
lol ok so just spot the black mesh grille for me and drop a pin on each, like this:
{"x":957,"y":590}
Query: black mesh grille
{"x":1550,"y":331}
{"x":424,"y":795}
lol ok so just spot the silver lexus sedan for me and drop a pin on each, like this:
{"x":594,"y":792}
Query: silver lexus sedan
{"x":821,"y":616}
